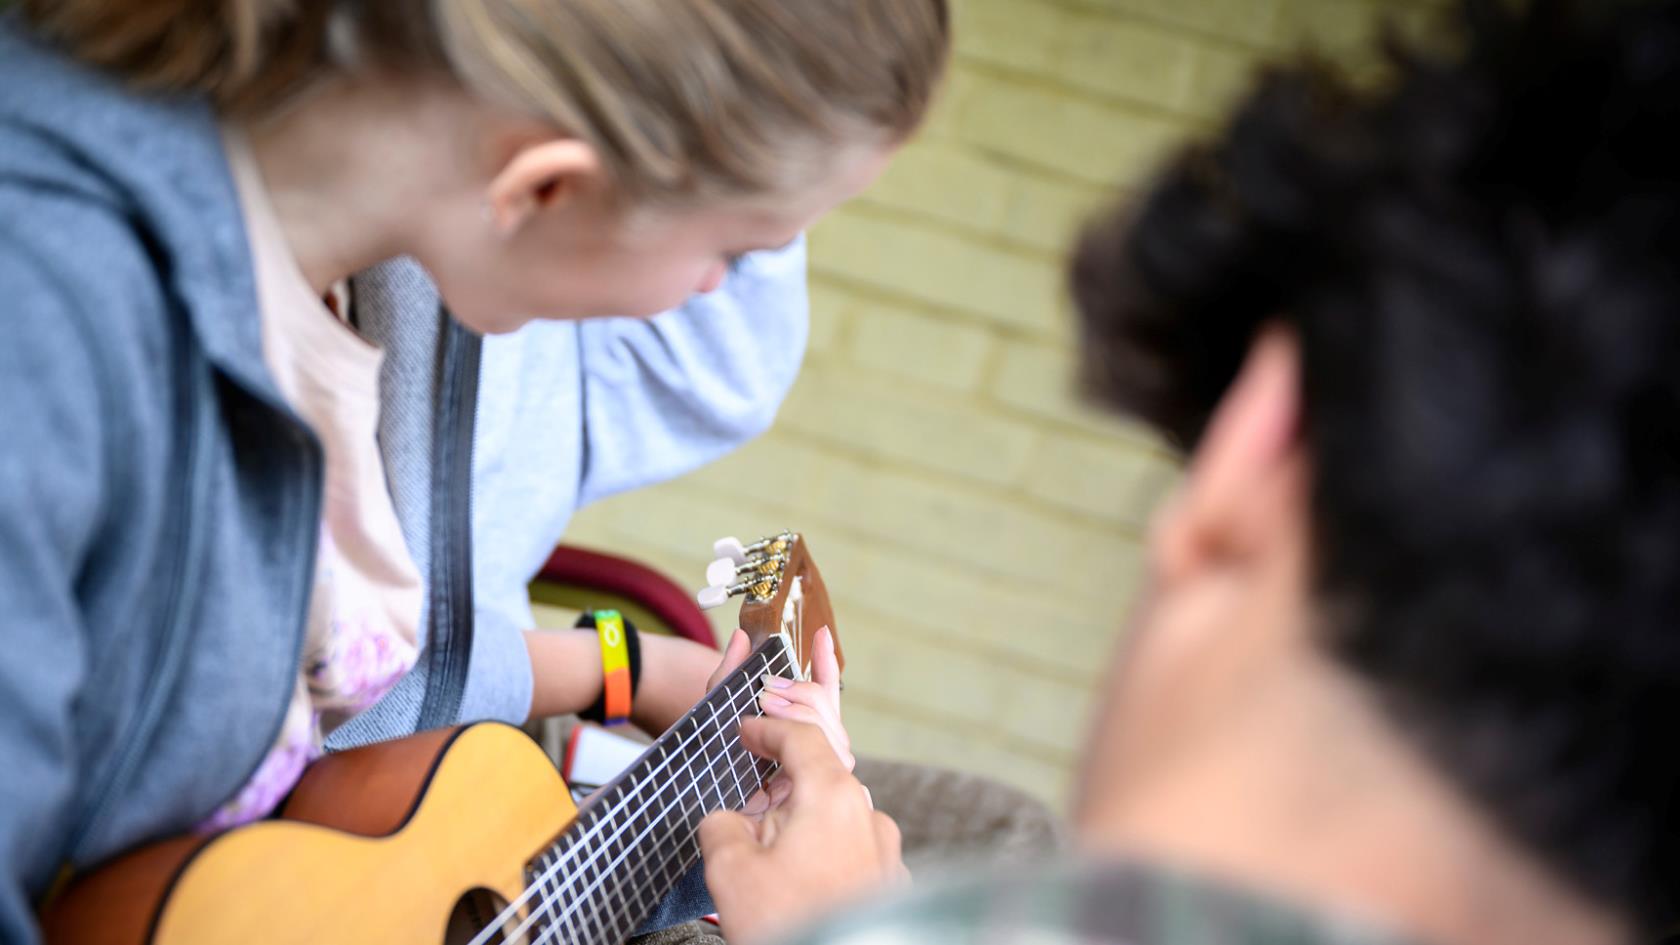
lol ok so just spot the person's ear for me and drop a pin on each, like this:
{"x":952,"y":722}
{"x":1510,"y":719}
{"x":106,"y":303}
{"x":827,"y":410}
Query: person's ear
{"x":1245,"y":487}
{"x":539,"y":176}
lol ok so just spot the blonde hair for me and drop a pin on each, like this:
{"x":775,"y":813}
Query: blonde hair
{"x":681,"y":98}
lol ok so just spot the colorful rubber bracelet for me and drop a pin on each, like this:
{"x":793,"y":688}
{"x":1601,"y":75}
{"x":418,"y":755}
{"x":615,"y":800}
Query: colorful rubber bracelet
{"x":620,"y":667}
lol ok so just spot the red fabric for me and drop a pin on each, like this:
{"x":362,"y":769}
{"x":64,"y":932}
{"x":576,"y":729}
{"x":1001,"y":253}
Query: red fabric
{"x":610,"y":574}
{"x":571,"y":752}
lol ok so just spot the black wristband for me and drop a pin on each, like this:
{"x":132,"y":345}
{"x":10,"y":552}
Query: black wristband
{"x":597,"y":711}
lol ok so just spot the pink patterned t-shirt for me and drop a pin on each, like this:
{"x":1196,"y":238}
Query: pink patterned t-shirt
{"x":364,"y":611}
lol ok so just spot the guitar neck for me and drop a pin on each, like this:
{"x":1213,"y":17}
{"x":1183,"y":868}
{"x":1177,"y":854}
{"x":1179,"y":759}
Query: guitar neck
{"x":605,"y":875}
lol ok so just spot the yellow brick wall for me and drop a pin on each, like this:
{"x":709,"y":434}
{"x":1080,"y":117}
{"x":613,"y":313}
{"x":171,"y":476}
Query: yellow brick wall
{"x":979,"y":529}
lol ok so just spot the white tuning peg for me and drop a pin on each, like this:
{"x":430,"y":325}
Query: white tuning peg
{"x":722,"y":571}
{"x":711,"y":598}
{"x":730,"y":548}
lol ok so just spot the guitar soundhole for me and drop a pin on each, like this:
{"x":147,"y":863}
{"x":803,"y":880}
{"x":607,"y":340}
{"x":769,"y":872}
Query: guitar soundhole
{"x":474,"y":913}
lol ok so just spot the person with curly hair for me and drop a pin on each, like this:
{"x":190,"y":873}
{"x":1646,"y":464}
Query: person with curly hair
{"x":1409,"y":659}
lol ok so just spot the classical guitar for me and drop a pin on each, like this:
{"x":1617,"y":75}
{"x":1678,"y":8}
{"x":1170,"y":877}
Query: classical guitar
{"x":468,"y":836}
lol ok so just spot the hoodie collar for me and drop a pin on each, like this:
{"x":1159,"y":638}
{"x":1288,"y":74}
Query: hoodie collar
{"x":156,"y":160}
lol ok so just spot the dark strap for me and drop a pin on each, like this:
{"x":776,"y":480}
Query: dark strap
{"x":450,"y":621}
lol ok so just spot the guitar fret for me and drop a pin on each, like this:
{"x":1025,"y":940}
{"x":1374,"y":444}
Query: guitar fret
{"x":725,"y":757}
{"x":669,"y":862}
{"x":552,"y":902}
{"x":737,"y":759}
{"x":597,"y":882}
{"x":613,"y":887}
{"x":591,"y":874}
{"x":680,"y":859}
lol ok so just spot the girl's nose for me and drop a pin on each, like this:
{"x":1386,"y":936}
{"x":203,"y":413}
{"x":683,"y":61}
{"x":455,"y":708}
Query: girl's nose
{"x":713,"y":279}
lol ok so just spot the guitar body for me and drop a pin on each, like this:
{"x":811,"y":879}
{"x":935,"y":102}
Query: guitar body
{"x":459,"y":836}
{"x":390,"y":843}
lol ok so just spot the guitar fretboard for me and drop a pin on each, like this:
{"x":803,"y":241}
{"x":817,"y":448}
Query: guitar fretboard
{"x":631,"y":844}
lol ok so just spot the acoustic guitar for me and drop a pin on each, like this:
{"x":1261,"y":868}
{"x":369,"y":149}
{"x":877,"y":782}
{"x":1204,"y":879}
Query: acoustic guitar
{"x":468,"y":836}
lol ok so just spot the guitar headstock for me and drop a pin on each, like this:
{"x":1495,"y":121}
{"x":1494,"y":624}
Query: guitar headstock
{"x":780,"y":588}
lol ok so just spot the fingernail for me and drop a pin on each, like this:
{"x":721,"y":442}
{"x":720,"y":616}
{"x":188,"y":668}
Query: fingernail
{"x":827,"y":637}
{"x":773,"y":701}
{"x":777,"y":682}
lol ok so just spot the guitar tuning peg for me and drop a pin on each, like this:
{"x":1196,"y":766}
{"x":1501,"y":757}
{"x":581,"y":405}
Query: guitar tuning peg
{"x":730,"y":548}
{"x":711,"y":598}
{"x":722,"y":571}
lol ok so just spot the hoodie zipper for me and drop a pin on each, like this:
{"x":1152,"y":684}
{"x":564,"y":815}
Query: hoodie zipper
{"x":450,"y":631}
{"x":178,"y":612}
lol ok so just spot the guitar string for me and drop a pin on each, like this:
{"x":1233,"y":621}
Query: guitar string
{"x":548,"y":880}
{"x":602,"y":909}
{"x":581,"y":844}
{"x":582,"y":841}
{"x":546,"y":907}
{"x":686,"y":853}
{"x":583,"y":899}
{"x":665,"y":852}
{"x":667,"y":864}
{"x":590,"y":832}
{"x":682,"y":753}
{"x":678,"y":753}
{"x":677,"y":845}
{"x":690,"y":782}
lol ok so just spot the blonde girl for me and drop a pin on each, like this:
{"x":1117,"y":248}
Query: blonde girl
{"x":216,"y":550}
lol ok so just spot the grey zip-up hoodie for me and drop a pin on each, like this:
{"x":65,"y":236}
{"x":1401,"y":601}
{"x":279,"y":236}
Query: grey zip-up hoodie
{"x":159,"y":504}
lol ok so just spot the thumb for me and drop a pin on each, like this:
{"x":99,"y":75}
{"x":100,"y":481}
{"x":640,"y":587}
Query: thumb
{"x":726,"y":835}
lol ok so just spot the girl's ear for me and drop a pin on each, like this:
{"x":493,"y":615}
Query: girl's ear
{"x":538,"y":176}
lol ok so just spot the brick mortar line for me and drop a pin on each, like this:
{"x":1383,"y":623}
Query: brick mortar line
{"x":981,"y":572}
{"x":839,"y":526}
{"x":1197,"y":121}
{"x":1014,"y":661}
{"x":1046,"y":171}
{"x":1069,"y":429}
{"x":1090,"y":8}
{"x":978,"y":490}
{"x":951,"y":135}
{"x":1008,"y":330}
{"x":1273,"y":46}
{"x":1014,"y":744}
{"x":875,"y":296}
{"x":1015,"y":490}
{"x":887,"y":211}
{"x":870,"y":291}
{"x":1085,"y":432}
{"x":850,"y":604}
{"x":1012,"y":164}
{"x":992,"y":238}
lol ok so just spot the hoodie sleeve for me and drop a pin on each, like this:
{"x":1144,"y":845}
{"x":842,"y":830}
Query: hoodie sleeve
{"x":51,"y":494}
{"x":666,"y":395}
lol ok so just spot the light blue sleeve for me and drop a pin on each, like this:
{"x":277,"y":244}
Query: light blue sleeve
{"x":569,"y":412}
{"x":666,"y":395}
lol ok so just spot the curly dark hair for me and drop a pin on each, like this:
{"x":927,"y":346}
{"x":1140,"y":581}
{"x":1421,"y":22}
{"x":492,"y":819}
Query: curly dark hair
{"x":1481,"y":260}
